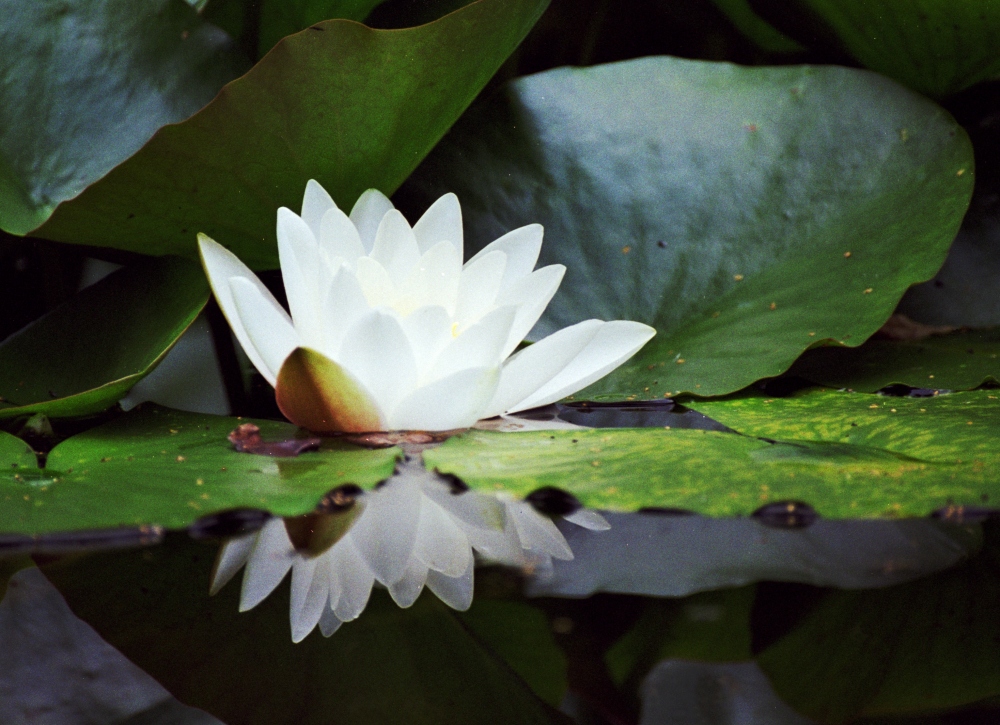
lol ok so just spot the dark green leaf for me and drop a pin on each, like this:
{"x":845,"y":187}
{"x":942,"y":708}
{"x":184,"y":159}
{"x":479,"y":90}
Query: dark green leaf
{"x":85,"y":355}
{"x":756,"y":28}
{"x":934,"y":46}
{"x":348,"y":106}
{"x":746,"y":213}
{"x":930,"y":644}
{"x":959,"y":361}
{"x":279,"y":18}
{"x":417,"y":665}
{"x":157,"y":466}
{"x":897,"y":461}
{"x":86,"y":84}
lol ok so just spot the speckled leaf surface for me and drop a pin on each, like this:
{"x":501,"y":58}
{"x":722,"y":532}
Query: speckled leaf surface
{"x":722,"y":474}
{"x":15,"y":454}
{"x":341,"y":103}
{"x":155,"y":466}
{"x":746,"y":213}
{"x":959,"y":361}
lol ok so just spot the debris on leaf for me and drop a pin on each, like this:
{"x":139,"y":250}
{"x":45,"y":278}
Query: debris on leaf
{"x":246,"y":439}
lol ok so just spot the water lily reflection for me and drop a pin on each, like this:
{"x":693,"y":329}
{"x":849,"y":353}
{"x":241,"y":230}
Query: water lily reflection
{"x":412,"y":531}
{"x":390,"y":331}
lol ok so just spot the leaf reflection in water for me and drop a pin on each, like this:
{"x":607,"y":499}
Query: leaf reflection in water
{"x":409,"y":532}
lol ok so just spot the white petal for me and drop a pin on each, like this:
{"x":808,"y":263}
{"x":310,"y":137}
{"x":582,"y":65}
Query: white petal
{"x":367,"y":214}
{"x":479,"y":346}
{"x":441,"y":222}
{"x":302,"y":578}
{"x":521,"y":247}
{"x":531,"y":368}
{"x":441,"y":269}
{"x":537,"y":532}
{"x":233,"y":554}
{"x":395,"y":247}
{"x":316,"y":202}
{"x":307,"y":616}
{"x":386,"y":530}
{"x":271,"y":558}
{"x":441,"y":545}
{"x":613,"y":344}
{"x":376,"y":351}
{"x":532,"y":295}
{"x":478,"y":287}
{"x":354,"y":580}
{"x":588,"y":519}
{"x":455,"y":401}
{"x":302,"y":271}
{"x":456,"y":592}
{"x":221,"y":265}
{"x":375,"y":282}
{"x":338,"y":237}
{"x":429,"y":331}
{"x":329,"y":622}
{"x":344,"y":305}
{"x":406,"y":590}
{"x":269,"y":332}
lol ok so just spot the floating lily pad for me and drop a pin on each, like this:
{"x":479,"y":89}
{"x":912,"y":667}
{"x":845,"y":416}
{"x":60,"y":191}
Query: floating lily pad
{"x":934,"y":46}
{"x":959,"y":361}
{"x":746,"y":213}
{"x":87,"y":83}
{"x":82,"y":357}
{"x":157,"y":466}
{"x":959,"y":429}
{"x":722,"y":474}
{"x":417,"y":665}
{"x":344,"y":104}
{"x":15,"y":454}
{"x":914,"y":648}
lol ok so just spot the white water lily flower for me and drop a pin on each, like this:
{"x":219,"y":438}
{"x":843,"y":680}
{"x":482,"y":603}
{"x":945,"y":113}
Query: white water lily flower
{"x":411,"y":532}
{"x":390,"y":331}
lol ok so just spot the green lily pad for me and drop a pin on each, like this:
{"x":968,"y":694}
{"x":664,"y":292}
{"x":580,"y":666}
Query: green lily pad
{"x":156,"y":466}
{"x":746,"y":213}
{"x":914,"y":648}
{"x":86,"y":84}
{"x":279,"y":18}
{"x":959,"y":361}
{"x":934,"y":46}
{"x":82,"y":357}
{"x":959,"y":429}
{"x":417,"y":665}
{"x":722,"y":474}
{"x":15,"y":454}
{"x":351,"y":107}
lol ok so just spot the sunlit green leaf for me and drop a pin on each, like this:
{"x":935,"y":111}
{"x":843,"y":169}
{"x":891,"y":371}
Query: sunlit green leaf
{"x":930,"y":644}
{"x":86,"y":83}
{"x":959,"y":361}
{"x":85,"y":355}
{"x":747,"y":213}
{"x":934,"y":46}
{"x":417,"y":665}
{"x":156,"y":466}
{"x":904,"y":463}
{"x":348,"y":106}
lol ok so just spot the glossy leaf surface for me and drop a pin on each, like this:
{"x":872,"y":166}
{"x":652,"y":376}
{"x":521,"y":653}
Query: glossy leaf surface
{"x":746,"y":213}
{"x":82,"y":357}
{"x":349,"y":106}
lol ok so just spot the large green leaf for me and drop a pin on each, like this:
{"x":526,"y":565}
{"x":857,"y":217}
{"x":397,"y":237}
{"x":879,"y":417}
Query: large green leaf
{"x":896,"y":462}
{"x":959,"y":361}
{"x":417,"y":665}
{"x":958,"y":429}
{"x":918,"y":647}
{"x":746,"y":213}
{"x":279,"y":18}
{"x":934,"y":46}
{"x":157,"y":466}
{"x":741,"y":15}
{"x":346,"y":105}
{"x":85,"y":355}
{"x":86,"y":84}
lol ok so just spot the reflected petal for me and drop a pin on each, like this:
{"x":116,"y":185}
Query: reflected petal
{"x":405,"y":591}
{"x":233,"y":554}
{"x":456,"y":592}
{"x":271,"y":558}
{"x":354,"y":580}
{"x":440,"y":544}
{"x":386,"y":530}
